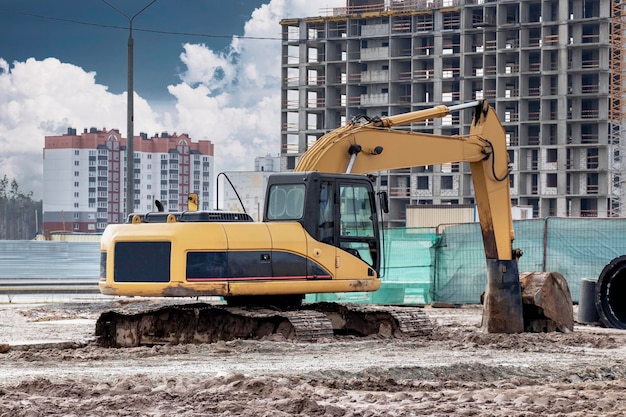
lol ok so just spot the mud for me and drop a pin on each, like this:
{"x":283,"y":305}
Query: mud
{"x":54,"y":368}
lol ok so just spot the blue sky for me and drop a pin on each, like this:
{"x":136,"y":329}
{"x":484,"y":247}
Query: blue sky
{"x":204,"y":67}
{"x":80,"y":32}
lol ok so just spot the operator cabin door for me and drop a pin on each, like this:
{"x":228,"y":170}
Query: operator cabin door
{"x":357,"y":229}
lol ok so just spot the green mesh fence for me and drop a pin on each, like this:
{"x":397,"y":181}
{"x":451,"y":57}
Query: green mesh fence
{"x":407,"y":273}
{"x":459,"y":265}
{"x":421,"y":266}
{"x":582,"y":248}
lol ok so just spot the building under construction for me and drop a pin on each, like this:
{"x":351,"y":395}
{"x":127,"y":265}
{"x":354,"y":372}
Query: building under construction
{"x":552,"y":69}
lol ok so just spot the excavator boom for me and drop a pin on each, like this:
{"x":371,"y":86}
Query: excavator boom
{"x":374,"y":146}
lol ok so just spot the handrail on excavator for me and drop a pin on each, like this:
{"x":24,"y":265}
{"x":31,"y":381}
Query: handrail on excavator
{"x":419,"y":115}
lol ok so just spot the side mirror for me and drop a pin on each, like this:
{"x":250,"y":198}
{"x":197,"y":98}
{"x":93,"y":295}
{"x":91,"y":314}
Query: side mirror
{"x":383,"y":200}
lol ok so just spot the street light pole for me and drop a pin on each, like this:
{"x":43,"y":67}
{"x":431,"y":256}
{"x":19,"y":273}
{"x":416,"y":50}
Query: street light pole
{"x":130,"y":148}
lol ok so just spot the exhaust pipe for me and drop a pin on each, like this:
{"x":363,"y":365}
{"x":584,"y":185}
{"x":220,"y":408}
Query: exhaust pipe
{"x":611,"y":294}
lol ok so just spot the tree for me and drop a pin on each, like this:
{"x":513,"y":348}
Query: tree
{"x":17,"y":211}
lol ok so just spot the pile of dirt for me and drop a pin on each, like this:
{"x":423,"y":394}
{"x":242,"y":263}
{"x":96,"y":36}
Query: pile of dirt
{"x":455,"y":371}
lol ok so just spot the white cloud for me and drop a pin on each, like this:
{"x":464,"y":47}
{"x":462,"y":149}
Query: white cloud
{"x":233,"y":98}
{"x":229,"y":97}
{"x":39,"y":98}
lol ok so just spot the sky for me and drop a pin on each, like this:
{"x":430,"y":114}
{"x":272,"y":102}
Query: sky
{"x":207,"y":68}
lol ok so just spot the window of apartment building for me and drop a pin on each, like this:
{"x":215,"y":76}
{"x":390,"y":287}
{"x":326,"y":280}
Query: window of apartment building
{"x":92,"y":204}
{"x":91,"y":226}
{"x":511,"y":156}
{"x":163,"y":156}
{"x":446,"y":182}
{"x":551,"y":155}
{"x":103,"y":152}
{"x":149,"y":156}
{"x":76,"y":194}
{"x":592,"y":158}
{"x":76,"y":205}
{"x":511,"y":180}
{"x":76,"y":152}
{"x":551,"y":180}
{"x":592,"y":183}
{"x":76,"y":183}
{"x":76,"y":173}
{"x":149,"y":187}
{"x":92,"y":153}
{"x":76,"y":163}
{"x":423,"y":182}
{"x":76,"y":216}
{"x":76,"y":226}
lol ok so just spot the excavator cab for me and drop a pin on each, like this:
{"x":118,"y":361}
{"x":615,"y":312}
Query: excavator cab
{"x":338,"y":210}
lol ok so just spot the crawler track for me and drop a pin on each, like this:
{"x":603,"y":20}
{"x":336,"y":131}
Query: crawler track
{"x":205,"y":323}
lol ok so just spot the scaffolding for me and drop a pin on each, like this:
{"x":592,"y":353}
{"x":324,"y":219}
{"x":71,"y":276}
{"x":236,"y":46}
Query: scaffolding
{"x":616,"y":144}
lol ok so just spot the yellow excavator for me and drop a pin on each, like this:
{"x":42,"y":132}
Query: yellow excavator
{"x":320,"y":234}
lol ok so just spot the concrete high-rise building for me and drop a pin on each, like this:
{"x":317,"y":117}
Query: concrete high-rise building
{"x":552,"y":70}
{"x":85,"y":177}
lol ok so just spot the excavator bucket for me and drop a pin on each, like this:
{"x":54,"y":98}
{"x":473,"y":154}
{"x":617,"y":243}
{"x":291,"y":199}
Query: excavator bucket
{"x":547,"y":302}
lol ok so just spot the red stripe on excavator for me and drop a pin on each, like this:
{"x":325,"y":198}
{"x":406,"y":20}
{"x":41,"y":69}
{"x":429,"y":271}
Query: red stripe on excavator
{"x":298,"y":277}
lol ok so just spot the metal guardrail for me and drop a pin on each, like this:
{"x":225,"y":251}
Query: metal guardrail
{"x":48,"y":286}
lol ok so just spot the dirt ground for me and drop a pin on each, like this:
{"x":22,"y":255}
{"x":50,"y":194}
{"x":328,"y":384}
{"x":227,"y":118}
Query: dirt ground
{"x":53,"y":368}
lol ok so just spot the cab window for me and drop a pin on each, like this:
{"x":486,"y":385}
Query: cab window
{"x":286,"y":202}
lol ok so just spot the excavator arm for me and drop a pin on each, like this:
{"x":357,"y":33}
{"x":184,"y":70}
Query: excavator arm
{"x":375,"y":146}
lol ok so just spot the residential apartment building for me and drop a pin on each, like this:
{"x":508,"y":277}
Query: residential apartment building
{"x":551,"y":69}
{"x":85,"y":177}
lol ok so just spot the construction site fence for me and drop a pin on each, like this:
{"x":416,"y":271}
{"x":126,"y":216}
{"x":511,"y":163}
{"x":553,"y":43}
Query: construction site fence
{"x":420,"y":265}
{"x":447,"y":264}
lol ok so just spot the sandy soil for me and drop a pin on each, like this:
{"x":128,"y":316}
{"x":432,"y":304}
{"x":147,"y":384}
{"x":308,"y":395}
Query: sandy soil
{"x":53,"y":368}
